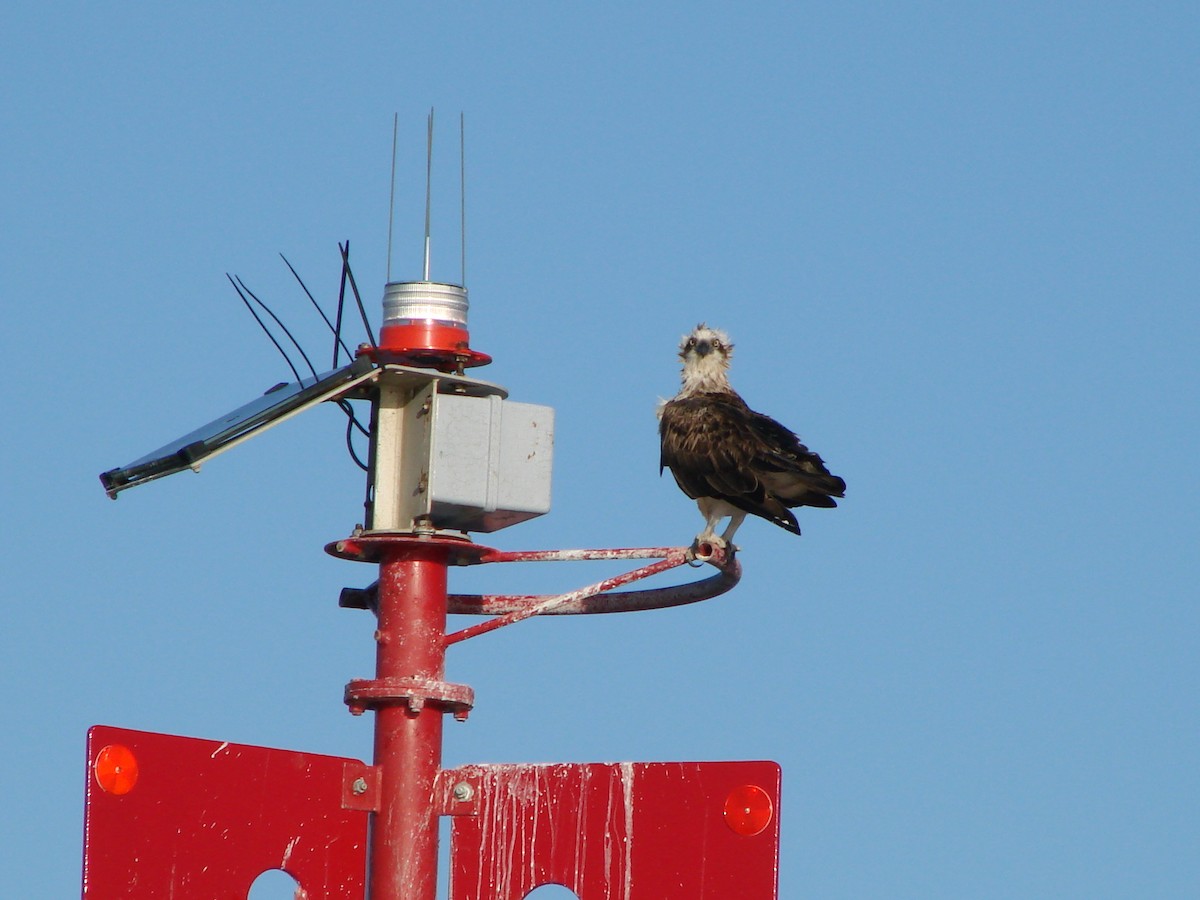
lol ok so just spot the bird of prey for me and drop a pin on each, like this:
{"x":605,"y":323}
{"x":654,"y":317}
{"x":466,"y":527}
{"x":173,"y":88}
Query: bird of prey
{"x":730,"y":459}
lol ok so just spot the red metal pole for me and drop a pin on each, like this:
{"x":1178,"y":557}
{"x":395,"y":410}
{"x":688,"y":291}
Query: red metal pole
{"x":408,"y":741}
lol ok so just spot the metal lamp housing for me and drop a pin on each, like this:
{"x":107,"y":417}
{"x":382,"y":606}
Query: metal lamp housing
{"x":451,"y":453}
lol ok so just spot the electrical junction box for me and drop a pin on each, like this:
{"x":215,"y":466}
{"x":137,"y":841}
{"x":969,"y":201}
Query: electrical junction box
{"x":490,"y":462}
{"x":451,"y":453}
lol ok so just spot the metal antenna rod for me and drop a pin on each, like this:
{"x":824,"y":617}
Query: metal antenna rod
{"x":392,"y":195}
{"x":428,"y":191}
{"x":462,"y":192}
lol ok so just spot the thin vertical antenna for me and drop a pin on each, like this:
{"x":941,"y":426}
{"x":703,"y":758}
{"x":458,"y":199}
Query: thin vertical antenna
{"x":392,"y":195}
{"x":428,"y":191}
{"x":349,"y":275}
{"x":337,"y":329}
{"x":462,"y":192}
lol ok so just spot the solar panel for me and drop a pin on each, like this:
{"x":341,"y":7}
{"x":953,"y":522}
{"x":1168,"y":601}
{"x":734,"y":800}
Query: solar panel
{"x":280,"y":402}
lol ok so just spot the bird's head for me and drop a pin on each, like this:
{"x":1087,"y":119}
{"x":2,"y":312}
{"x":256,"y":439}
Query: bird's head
{"x":705,"y":353}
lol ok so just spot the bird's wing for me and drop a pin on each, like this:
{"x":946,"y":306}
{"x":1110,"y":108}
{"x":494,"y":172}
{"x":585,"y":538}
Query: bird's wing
{"x":713,"y":450}
{"x":792,"y":472}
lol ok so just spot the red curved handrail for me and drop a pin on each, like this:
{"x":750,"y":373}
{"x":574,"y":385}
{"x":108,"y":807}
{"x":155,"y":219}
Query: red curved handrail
{"x":599,"y":597}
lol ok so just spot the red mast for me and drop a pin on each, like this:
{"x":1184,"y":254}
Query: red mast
{"x":425,"y":324}
{"x":408,"y":733}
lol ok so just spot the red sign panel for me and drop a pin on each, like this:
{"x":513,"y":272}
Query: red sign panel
{"x":616,"y":831}
{"x":191,"y":819}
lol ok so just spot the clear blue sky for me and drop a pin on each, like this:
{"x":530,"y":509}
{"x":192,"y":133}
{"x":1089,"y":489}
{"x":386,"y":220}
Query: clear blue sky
{"x":955,"y":244}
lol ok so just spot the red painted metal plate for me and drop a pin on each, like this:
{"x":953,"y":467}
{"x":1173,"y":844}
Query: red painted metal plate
{"x":191,"y":819}
{"x":617,"y":831}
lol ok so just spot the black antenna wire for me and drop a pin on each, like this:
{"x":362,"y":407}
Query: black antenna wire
{"x":337,"y":336}
{"x":349,"y":273}
{"x":350,"y":425}
{"x":265,"y":329}
{"x":338,"y":342}
{"x":344,"y":405}
{"x":337,"y":330}
{"x":279,"y":322}
{"x":351,"y":418}
{"x":349,"y":410}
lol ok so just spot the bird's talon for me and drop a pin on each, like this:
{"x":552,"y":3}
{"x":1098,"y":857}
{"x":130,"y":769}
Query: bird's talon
{"x":705,"y":546}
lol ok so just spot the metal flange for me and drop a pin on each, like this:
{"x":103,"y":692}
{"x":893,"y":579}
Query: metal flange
{"x":370,"y":693}
{"x":372,"y":546}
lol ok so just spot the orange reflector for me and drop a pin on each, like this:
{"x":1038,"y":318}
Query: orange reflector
{"x":116,"y":769}
{"x":748,"y":809}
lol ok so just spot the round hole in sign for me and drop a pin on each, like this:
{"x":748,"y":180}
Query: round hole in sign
{"x":552,"y":892}
{"x":116,"y":769}
{"x":274,"y":884}
{"x":748,"y":809}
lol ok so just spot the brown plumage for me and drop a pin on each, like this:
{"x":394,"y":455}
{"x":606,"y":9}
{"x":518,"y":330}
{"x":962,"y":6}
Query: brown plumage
{"x":729,"y":458}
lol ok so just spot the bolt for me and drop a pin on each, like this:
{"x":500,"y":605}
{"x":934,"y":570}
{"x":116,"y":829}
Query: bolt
{"x":359,"y":786}
{"x":463,"y":791}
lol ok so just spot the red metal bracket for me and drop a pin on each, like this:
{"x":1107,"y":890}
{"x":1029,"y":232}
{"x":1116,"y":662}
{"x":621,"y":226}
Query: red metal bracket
{"x":523,"y":607}
{"x":599,"y":597}
{"x":457,"y":793}
{"x":360,"y":786}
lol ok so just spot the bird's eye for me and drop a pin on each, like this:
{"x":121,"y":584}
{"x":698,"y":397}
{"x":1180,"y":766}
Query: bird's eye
{"x":717,"y":345}
{"x":691,"y":342}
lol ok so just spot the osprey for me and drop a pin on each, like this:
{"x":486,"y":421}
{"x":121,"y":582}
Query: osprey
{"x":728,"y":458}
